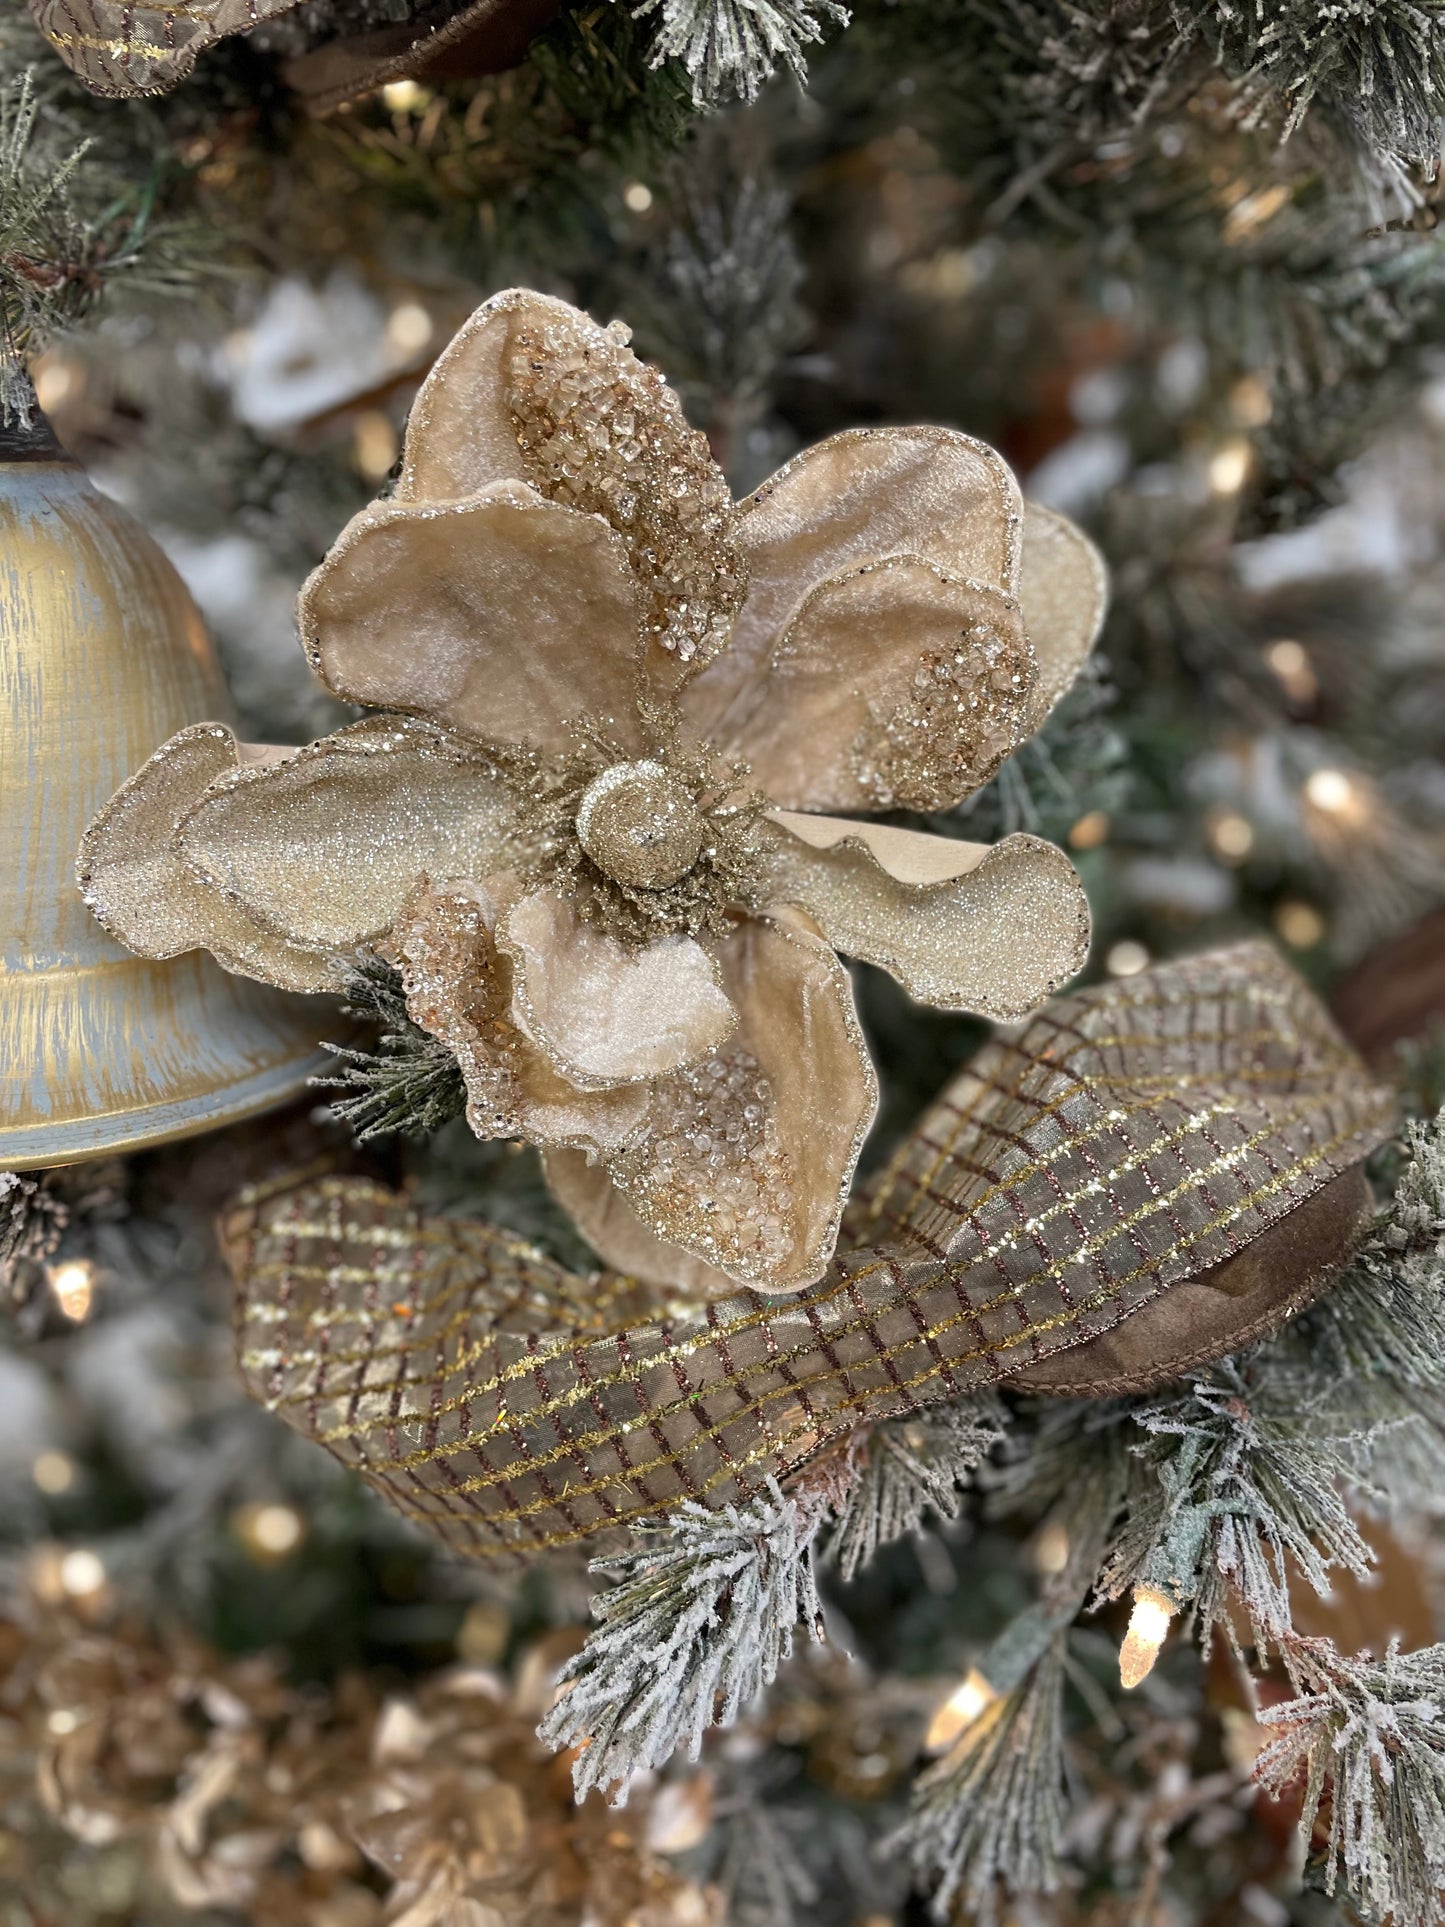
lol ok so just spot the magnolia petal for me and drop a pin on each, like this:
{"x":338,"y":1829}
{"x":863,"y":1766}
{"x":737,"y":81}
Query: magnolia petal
{"x":460,"y":435}
{"x":895,"y":685}
{"x":586,"y":1192}
{"x":1063,"y":589}
{"x":604,"y":1012}
{"x":324,"y":847}
{"x":746,"y":1160}
{"x":536,"y":390}
{"x":459,"y":987}
{"x":850,"y":500}
{"x":132,"y":876}
{"x":994,"y":929}
{"x":503,"y":615}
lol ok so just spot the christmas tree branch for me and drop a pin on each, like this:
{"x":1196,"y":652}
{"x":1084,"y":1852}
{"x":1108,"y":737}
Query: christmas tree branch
{"x":700,"y":1620}
{"x":410,"y":1083}
{"x":1368,"y":1734}
{"x":907,"y":1470}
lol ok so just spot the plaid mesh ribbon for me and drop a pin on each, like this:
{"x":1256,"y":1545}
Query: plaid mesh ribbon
{"x":143,"y":46}
{"x":1126,"y":1139}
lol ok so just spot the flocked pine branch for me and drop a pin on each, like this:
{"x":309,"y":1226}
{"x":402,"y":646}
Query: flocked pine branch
{"x":32,"y":1220}
{"x":760,"y":1870}
{"x":1379,"y":1333}
{"x":701,"y":1618}
{"x":1077,"y":763}
{"x":1379,"y":63}
{"x":991,"y":1812}
{"x":1239,"y":1478}
{"x":714,"y":298}
{"x":1368,"y":1734}
{"x":1242,"y":1477}
{"x":47,"y":265}
{"x":410,"y":1083}
{"x":907,"y":1470}
{"x":730,"y":47}
{"x":72,"y":225}
{"x":988,"y":1818}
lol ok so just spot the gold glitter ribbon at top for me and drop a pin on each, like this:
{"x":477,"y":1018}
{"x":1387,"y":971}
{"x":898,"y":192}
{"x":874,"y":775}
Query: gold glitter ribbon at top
{"x":1124,"y":1140}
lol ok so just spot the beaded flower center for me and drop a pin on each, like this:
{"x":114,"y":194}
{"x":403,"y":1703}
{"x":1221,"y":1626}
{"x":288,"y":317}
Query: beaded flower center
{"x":640,"y":825}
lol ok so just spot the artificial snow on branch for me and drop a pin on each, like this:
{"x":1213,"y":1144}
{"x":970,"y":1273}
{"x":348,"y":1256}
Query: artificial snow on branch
{"x":46,"y":268}
{"x":1379,"y":63}
{"x":992,"y":1810}
{"x":1369,"y":1736}
{"x":1240,"y":1474}
{"x":410,"y":1083}
{"x":71,"y":225}
{"x":730,"y":47}
{"x":908,"y":1469}
{"x":698,"y":1624}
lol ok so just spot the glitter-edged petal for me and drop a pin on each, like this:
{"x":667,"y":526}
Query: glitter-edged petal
{"x":854,"y":499}
{"x":459,"y":987}
{"x":1063,"y":590}
{"x":746,"y":1160}
{"x":460,"y":435}
{"x":894,"y":685}
{"x":604,"y":1012}
{"x":324,"y":847}
{"x":994,"y":929}
{"x":503,"y":615}
{"x":586,"y":1192}
{"x":535,"y":390}
{"x":132,"y":876}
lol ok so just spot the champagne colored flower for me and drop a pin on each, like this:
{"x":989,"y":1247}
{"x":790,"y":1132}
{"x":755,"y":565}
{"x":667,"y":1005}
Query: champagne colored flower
{"x":593,"y":824}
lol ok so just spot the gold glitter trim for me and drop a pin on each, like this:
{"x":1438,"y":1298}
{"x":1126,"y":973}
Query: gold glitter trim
{"x":993,"y":928}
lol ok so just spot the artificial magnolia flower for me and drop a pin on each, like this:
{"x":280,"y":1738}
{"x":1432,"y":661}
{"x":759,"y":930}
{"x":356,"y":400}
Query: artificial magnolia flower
{"x":592,"y":827}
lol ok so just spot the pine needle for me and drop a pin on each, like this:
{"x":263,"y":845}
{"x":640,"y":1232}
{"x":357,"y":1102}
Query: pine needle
{"x":410,"y":1084}
{"x":731,"y":47}
{"x":991,"y":1812}
{"x":698,"y":1624}
{"x":1369,"y":1736}
{"x":909,"y":1469}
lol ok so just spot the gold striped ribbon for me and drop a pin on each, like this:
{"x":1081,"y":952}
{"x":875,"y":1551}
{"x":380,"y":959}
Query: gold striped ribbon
{"x":123,"y":47}
{"x":1126,"y":1139}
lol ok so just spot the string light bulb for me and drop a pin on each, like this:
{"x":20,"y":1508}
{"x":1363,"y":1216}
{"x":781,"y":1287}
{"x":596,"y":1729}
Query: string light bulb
{"x":82,"y":1573}
{"x":1126,"y":958}
{"x":958,"y":1712}
{"x":405,"y":97}
{"x":1335,"y":793}
{"x":72,"y":1284}
{"x":1229,"y":467}
{"x":1231,"y":836}
{"x":1147,"y":1631}
{"x":408,"y":328}
{"x":1052,"y":1548}
{"x":1290,"y":664}
{"x":1090,"y":831}
{"x":269,"y":1530}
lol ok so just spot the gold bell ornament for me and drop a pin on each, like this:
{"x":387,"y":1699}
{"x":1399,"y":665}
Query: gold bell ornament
{"x":103,"y":655}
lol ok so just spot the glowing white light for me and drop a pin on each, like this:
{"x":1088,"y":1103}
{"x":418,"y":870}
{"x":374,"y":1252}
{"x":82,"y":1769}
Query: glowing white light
{"x":1148,"y":1629}
{"x":959,"y":1711}
{"x":81,"y":1573}
{"x":73,"y":1284}
{"x":1332,"y":791}
{"x":1126,"y":959}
